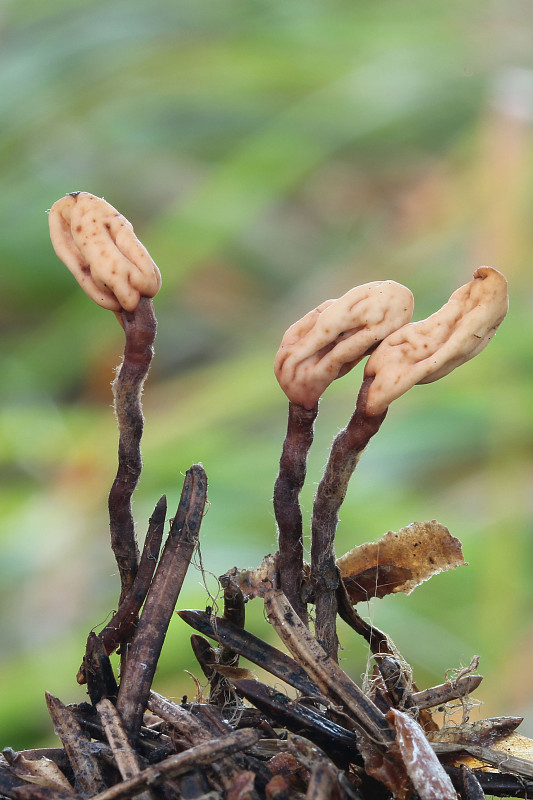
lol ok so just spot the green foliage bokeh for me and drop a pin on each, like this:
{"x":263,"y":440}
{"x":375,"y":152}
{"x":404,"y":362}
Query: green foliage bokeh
{"x":270,"y":155}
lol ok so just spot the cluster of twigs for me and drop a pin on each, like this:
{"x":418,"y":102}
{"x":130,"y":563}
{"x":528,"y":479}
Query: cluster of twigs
{"x":323,"y":736}
{"x":249,"y":740}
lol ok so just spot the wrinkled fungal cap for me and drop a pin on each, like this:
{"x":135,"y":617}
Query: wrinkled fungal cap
{"x":99,"y":247}
{"x":328,"y":341}
{"x":422,"y":352}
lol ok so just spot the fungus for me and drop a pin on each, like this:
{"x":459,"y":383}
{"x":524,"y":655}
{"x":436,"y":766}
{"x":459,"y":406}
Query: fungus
{"x":423,"y":352}
{"x":99,"y":247}
{"x":328,"y":341}
{"x":417,"y":352}
{"x":322,"y":346}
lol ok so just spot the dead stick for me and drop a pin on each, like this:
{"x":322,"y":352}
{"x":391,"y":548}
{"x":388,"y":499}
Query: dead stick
{"x":198,"y":729}
{"x":496,"y":758}
{"x":444,"y":692}
{"x":120,"y":625}
{"x":397,"y":682}
{"x":345,"y":453}
{"x":201,"y":755}
{"x":235,"y":613}
{"x":298,"y":718}
{"x":193,"y":730}
{"x":329,"y":677}
{"x":322,"y":783}
{"x":34,"y":792}
{"x":125,"y":757}
{"x":291,"y":477}
{"x":145,"y":649}
{"x":98,"y":671}
{"x":495,"y":783}
{"x":471,"y":788}
{"x":140,"y":329}
{"x":252,"y":648}
{"x":378,"y":641}
{"x":87,"y":772}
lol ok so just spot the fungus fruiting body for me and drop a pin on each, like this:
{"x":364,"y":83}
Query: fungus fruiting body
{"x":422,"y":352}
{"x":99,"y":247}
{"x":372,"y":319}
{"x":332,"y":338}
{"x":322,"y":346}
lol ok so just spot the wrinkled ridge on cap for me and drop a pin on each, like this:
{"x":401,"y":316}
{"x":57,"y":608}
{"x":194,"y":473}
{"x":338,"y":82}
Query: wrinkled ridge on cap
{"x":332,"y":338}
{"x":422,"y":352}
{"x":99,"y":247}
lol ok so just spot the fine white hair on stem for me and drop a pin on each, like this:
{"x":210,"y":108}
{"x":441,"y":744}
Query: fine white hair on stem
{"x":99,"y":247}
{"x":332,"y":338}
{"x":422,"y":352}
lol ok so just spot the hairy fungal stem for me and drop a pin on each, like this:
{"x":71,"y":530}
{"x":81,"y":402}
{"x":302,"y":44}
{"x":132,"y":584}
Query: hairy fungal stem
{"x":291,"y":477}
{"x":345,"y":453}
{"x":140,"y":328}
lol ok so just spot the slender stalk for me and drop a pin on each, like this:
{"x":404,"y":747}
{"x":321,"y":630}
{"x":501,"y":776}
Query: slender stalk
{"x":140,"y":329}
{"x":345,"y":453}
{"x":291,"y":477}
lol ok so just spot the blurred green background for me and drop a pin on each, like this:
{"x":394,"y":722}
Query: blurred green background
{"x":270,"y":154}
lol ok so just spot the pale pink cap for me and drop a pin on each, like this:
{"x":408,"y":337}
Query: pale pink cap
{"x":328,"y":341}
{"x":100,"y":248}
{"x":422,"y":352}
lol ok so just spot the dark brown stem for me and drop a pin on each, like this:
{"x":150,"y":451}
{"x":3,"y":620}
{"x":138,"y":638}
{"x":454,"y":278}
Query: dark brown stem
{"x":121,"y":623}
{"x":145,"y":649}
{"x":291,"y":477}
{"x":140,"y":329}
{"x":345,"y":453}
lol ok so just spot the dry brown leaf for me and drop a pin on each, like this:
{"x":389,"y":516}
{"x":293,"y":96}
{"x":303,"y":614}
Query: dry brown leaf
{"x":400,"y":561}
{"x":511,"y":753}
{"x":422,"y":765}
{"x":41,"y":771}
{"x":483,"y":732}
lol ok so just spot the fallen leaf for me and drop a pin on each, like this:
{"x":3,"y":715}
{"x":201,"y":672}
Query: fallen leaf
{"x":400,"y":561}
{"x":422,"y":765}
